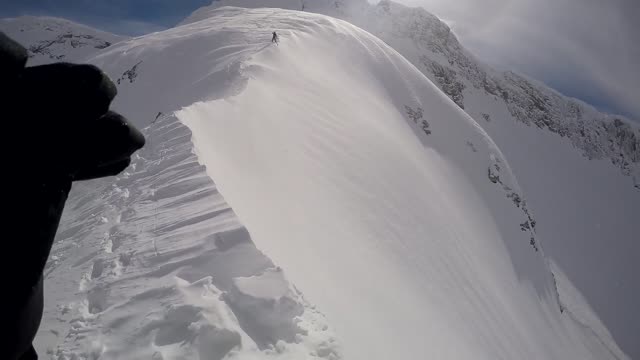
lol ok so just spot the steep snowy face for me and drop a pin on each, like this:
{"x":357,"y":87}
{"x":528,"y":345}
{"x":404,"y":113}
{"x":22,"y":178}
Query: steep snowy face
{"x":432,"y":47}
{"x":387,"y":205}
{"x":52,"y":39}
{"x":579,"y":167}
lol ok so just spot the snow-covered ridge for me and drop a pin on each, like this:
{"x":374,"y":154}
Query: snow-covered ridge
{"x":388,"y":207}
{"x":153,"y":264}
{"x":431,"y":46}
{"x":297,"y":169}
{"x":50,"y":39}
{"x":579,"y":167}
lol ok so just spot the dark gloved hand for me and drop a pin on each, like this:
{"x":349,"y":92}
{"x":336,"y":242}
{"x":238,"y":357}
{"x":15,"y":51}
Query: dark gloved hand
{"x":56,"y":128}
{"x":62,"y":112}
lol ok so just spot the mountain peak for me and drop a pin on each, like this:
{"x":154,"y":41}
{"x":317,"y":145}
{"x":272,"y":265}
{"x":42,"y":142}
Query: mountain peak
{"x":51,"y":39}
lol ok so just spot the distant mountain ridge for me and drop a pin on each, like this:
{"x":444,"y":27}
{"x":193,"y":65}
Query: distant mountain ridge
{"x":544,"y":134}
{"x":50,"y":39}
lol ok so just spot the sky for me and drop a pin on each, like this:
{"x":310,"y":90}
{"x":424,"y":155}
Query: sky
{"x":588,"y":49}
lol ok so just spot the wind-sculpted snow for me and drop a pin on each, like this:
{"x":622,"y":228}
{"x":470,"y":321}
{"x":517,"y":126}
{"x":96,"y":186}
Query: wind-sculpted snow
{"x":349,"y":166}
{"x":352,"y":176}
{"x":155,"y":265}
{"x":50,"y":39}
{"x":579,"y":167}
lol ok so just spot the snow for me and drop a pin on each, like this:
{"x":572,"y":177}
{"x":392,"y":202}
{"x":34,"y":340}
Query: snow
{"x":588,"y":218}
{"x":584,"y":206}
{"x":327,"y":166}
{"x":579,"y":309}
{"x":52,"y":39}
{"x":335,"y":181}
{"x":167,"y":271}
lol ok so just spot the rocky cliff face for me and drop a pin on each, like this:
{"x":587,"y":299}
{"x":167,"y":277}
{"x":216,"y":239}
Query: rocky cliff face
{"x":431,"y":46}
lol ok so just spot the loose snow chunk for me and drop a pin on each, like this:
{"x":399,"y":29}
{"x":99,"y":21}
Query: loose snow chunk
{"x":267,"y":308}
{"x":270,"y":285}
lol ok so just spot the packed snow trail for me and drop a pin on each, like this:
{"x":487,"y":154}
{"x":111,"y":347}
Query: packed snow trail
{"x":386,"y":205}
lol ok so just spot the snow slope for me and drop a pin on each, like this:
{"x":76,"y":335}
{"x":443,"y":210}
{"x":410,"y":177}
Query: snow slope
{"x":579,"y":168}
{"x":155,"y":265}
{"x":395,"y":200}
{"x":385,"y":204}
{"x":51,"y":39}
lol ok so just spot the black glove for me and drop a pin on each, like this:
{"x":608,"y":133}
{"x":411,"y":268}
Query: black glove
{"x":62,"y":110}
{"x":57,"y":128}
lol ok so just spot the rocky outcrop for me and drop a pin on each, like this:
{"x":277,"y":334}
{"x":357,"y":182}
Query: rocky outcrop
{"x":73,"y":40}
{"x":457,"y":73}
{"x":447,"y":80}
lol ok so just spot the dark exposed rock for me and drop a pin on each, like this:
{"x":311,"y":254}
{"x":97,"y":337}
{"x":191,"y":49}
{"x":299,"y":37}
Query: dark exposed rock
{"x":425,"y":127}
{"x":528,"y":225}
{"x":73,"y":40}
{"x":414,"y":115}
{"x":494,"y":178}
{"x":130,"y":74}
{"x":533,"y":243}
{"x":447,"y":81}
{"x":517,"y":200}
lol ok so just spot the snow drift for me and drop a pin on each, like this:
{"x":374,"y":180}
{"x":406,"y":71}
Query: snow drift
{"x":385,"y":204}
{"x":580,"y":168}
{"x":355,"y":172}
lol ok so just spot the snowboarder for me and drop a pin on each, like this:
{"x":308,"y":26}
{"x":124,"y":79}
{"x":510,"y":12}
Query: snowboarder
{"x":60,"y":127}
{"x":274,"y":39}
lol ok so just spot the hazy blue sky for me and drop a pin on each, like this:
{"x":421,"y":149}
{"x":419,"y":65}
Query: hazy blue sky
{"x":589,"y":49}
{"x":126,"y":17}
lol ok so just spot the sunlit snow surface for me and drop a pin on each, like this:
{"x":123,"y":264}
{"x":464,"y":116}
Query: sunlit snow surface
{"x":386,"y":205}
